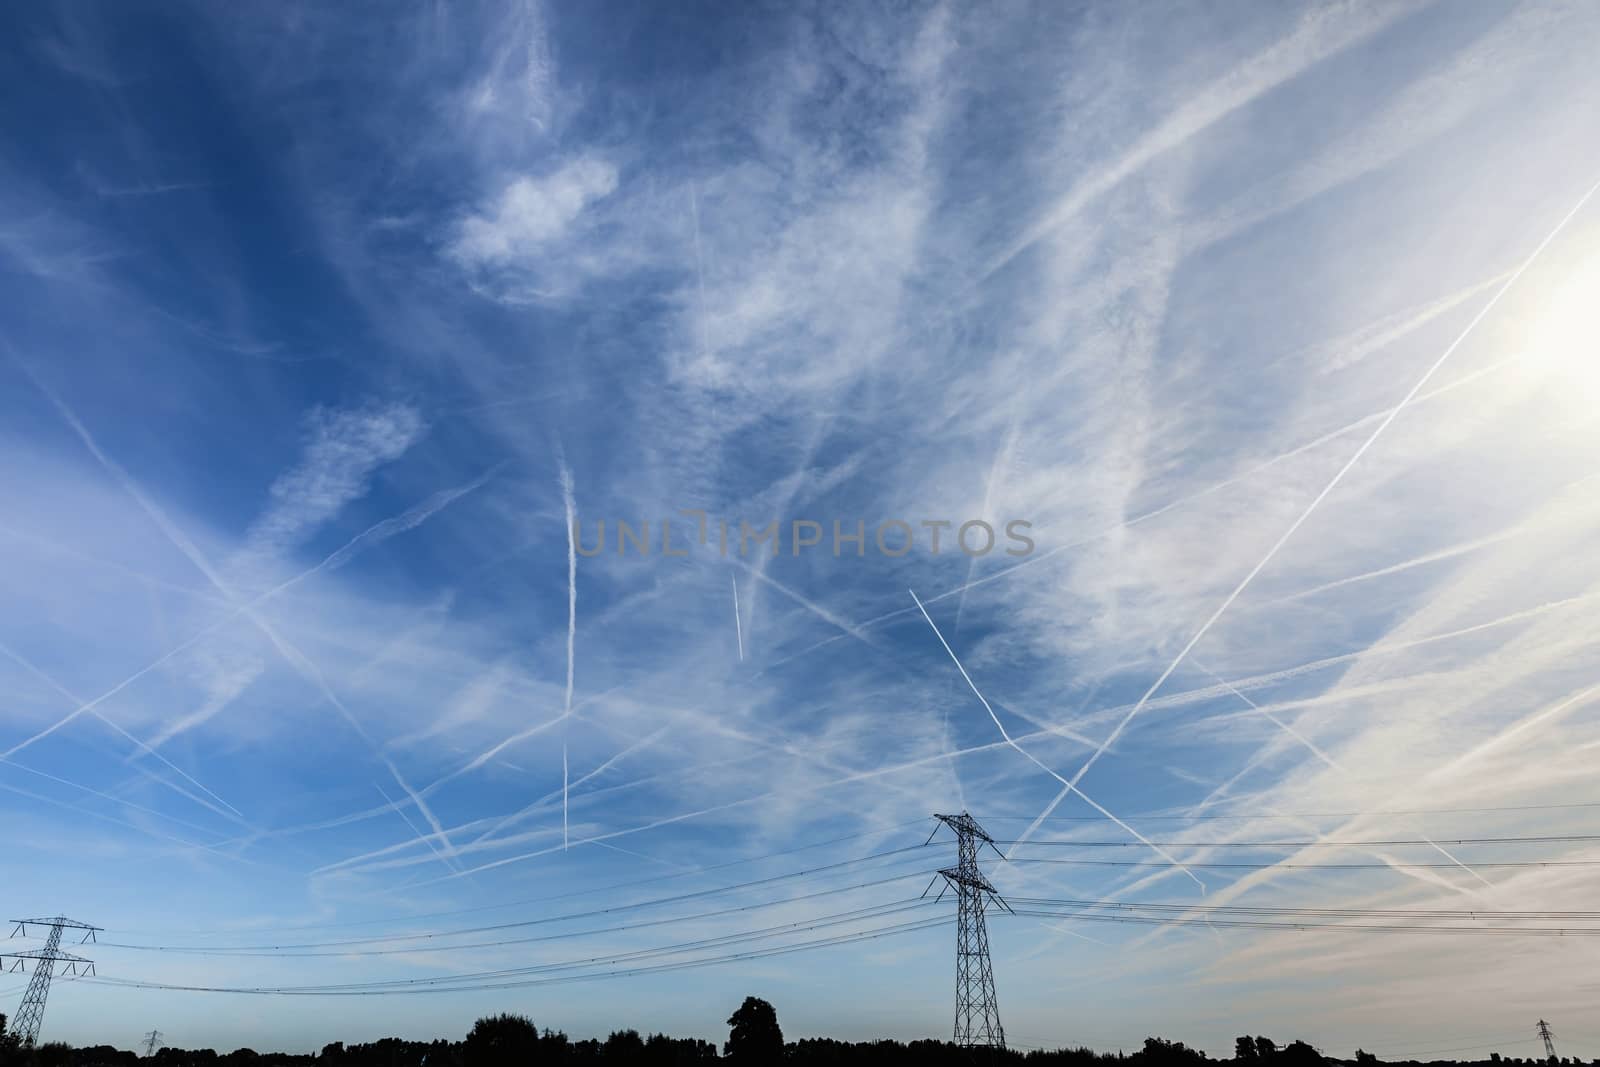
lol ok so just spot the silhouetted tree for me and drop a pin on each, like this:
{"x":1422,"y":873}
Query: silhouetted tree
{"x":754,"y":1036}
{"x":8,"y":1040}
{"x":503,"y":1040}
{"x":1159,"y":1052}
{"x":1299,"y":1054}
{"x":1244,"y":1049}
{"x":1365,"y":1058}
{"x":623,"y":1046}
{"x":1265,"y":1048}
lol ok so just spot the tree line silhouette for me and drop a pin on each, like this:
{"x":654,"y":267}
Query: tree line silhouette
{"x":754,"y":1040}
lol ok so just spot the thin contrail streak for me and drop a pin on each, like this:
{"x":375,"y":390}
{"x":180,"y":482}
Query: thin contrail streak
{"x":42,"y":799}
{"x":816,"y":609}
{"x":1034,"y":759}
{"x":972,"y":750}
{"x":699,"y":272}
{"x":58,"y":687}
{"x":400,"y":811}
{"x":1535,"y":719}
{"x":108,"y":796}
{"x":1002,"y":458}
{"x":1333,"y":483}
{"x":391,"y":526}
{"x":291,"y":655}
{"x":1330,"y":762}
{"x":1279,"y":723}
{"x":1171,"y":505}
{"x":570,"y":505}
{"x":1043,"y":734}
{"x":738,"y":626}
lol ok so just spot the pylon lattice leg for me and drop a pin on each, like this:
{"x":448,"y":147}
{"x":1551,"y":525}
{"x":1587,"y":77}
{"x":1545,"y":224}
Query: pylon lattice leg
{"x":31,"y":1013}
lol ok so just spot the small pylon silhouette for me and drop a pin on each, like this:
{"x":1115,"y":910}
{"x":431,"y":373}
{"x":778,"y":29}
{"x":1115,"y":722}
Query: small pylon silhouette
{"x":1549,"y":1041}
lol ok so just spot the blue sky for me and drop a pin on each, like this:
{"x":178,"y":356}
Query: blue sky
{"x":316,"y":322}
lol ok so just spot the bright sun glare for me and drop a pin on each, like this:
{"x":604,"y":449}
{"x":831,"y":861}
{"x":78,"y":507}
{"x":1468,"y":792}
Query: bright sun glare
{"x":1564,"y":344}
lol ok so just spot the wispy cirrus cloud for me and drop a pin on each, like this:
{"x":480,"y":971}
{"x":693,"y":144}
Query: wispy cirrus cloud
{"x":1147,"y":282}
{"x":342,"y":450}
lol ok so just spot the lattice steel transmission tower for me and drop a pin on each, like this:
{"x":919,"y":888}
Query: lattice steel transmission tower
{"x":977,"y":1009}
{"x":151,"y":1040}
{"x":31,"y":1013}
{"x":1549,"y":1041}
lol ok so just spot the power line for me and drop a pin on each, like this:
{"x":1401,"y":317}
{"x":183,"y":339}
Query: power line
{"x":614,"y":909}
{"x":1386,"y":928}
{"x":630,"y":884}
{"x":1550,"y":839}
{"x":358,"y":990}
{"x":339,"y":953}
{"x":1206,"y":815}
{"x":1311,"y":866}
{"x":1242,"y":909}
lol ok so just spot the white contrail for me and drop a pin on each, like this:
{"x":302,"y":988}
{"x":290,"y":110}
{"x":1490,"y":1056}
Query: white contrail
{"x":1157,"y":512}
{"x":482,"y":841}
{"x":409,"y":519}
{"x":108,"y":796}
{"x":80,"y":809}
{"x":1333,"y":483}
{"x":1325,"y":33}
{"x":521,"y":735}
{"x":570,"y":505}
{"x":425,"y":838}
{"x":816,"y":609}
{"x":1331,"y":763}
{"x":1044,"y":734}
{"x":368,"y":536}
{"x":738,"y":626}
{"x":1279,"y":723}
{"x":28,"y":665}
{"x":1002,"y":459}
{"x":1033,"y":759}
{"x":292,"y":655}
{"x":641,"y":855}
{"x":699,"y":273}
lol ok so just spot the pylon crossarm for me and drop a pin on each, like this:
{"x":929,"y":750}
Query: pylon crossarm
{"x":964,"y":824}
{"x":971,"y":879}
{"x":44,"y":954}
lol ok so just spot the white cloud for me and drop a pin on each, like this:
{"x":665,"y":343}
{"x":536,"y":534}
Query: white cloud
{"x":342,"y":451}
{"x":531,"y":214}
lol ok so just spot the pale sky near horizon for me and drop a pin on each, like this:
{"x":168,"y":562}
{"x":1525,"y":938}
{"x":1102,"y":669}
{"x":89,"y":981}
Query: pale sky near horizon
{"x":1275,"y":323}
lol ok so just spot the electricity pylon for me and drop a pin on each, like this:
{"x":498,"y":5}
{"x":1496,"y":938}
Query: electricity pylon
{"x":977,"y":1009}
{"x":151,"y":1040}
{"x":1549,"y":1041}
{"x":31,"y":1013}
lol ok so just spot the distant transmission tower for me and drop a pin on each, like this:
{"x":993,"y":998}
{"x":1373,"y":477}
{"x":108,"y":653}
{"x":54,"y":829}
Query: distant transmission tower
{"x":977,"y":1010}
{"x":31,"y":1013}
{"x":151,"y":1040}
{"x":1549,"y":1041}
